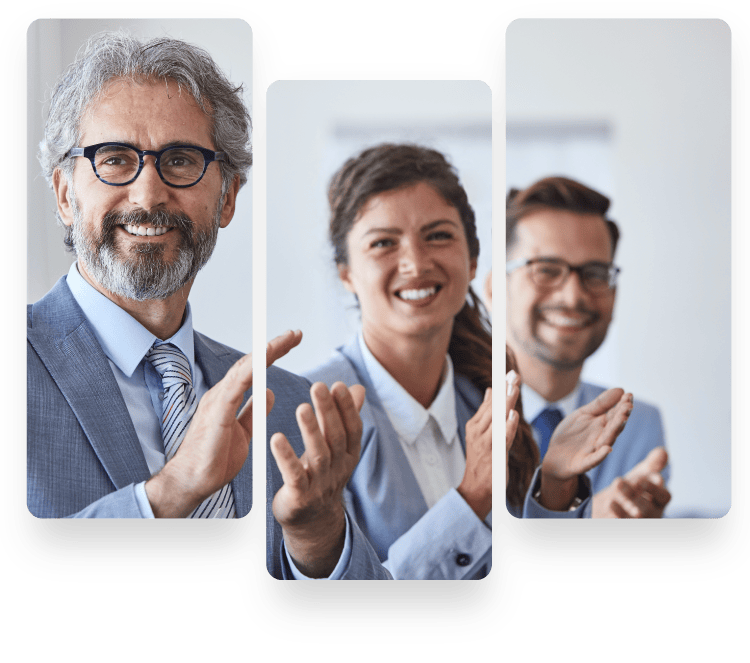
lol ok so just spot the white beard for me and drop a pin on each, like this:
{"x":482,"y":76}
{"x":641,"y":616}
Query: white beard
{"x":145,"y":275}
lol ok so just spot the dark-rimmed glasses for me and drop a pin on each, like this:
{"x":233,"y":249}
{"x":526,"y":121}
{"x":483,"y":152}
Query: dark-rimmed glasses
{"x":119,"y":164}
{"x":549,"y":273}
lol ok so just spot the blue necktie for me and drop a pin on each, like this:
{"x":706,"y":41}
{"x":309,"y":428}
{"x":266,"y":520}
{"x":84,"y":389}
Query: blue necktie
{"x":179,"y":405}
{"x":545,"y":424}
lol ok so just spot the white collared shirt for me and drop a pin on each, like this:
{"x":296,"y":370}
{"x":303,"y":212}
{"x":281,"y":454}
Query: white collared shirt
{"x":428,"y":436}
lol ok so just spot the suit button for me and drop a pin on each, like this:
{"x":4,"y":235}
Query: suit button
{"x":462,"y":559}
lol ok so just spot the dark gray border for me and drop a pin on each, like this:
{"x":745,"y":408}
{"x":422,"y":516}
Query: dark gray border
{"x":105,"y":551}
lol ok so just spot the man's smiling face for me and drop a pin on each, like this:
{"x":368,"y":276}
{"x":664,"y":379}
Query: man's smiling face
{"x":565,"y":325}
{"x":145,"y":240}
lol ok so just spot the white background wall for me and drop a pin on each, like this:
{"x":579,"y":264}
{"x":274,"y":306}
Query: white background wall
{"x":52,"y":46}
{"x":664,"y":88}
{"x":313,"y":128}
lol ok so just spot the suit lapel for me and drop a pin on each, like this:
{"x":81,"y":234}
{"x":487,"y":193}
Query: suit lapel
{"x":214,"y":361}
{"x":65,"y":343}
{"x":389,"y":464}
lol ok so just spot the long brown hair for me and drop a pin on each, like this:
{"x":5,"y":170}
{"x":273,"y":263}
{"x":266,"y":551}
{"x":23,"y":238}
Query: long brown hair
{"x":524,"y":454}
{"x":392,"y":166}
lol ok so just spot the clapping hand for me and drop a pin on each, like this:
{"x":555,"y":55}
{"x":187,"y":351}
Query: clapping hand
{"x":309,"y":506}
{"x":476,"y":484}
{"x":217,"y":441}
{"x":581,"y":442}
{"x":641,"y":493}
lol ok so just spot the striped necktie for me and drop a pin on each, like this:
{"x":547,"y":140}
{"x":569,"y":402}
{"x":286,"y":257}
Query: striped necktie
{"x":178,"y":406}
{"x":545,"y":424}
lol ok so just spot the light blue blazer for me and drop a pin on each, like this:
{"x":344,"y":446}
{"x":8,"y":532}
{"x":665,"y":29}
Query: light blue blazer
{"x":83,"y":454}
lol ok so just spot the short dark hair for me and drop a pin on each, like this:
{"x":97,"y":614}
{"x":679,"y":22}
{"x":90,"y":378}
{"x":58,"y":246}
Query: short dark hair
{"x":556,"y":193}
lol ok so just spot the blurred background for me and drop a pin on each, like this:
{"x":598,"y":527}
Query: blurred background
{"x":52,"y":46}
{"x":640,"y":110}
{"x":313,"y":128}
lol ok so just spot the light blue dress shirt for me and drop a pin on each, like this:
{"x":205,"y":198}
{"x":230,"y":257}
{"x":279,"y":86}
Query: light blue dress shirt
{"x":533,"y":404}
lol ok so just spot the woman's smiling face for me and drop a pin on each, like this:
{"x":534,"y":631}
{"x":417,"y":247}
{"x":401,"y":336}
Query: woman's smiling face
{"x":409,"y":263}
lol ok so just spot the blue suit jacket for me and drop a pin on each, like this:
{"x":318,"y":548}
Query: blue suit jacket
{"x":642,"y":433}
{"x":445,"y":542}
{"x":83,"y":454}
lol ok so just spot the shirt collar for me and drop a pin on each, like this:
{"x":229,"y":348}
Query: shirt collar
{"x":405,"y":413}
{"x":533,"y":403}
{"x":123,"y":339}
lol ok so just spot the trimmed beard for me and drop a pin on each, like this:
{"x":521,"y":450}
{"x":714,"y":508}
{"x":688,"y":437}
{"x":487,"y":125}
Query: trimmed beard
{"x":144,"y":274}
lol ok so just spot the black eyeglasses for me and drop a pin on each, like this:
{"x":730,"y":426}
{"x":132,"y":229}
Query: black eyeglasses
{"x":119,"y":164}
{"x":596,"y":277}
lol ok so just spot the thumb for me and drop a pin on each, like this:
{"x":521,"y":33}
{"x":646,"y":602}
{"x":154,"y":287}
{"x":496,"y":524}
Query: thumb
{"x":656,"y":461}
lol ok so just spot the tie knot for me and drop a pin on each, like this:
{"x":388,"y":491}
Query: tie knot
{"x":547,"y":420}
{"x":170,"y":363}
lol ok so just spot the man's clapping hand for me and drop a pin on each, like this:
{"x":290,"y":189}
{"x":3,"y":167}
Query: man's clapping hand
{"x":581,"y":441}
{"x":217,"y":441}
{"x":641,"y":493}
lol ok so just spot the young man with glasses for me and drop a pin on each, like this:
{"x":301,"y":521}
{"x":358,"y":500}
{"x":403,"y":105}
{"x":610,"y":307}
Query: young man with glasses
{"x":130,"y":412}
{"x":561,"y":286}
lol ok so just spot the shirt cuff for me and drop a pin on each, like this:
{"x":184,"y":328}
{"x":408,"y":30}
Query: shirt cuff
{"x":533,"y":509}
{"x":141,"y":500}
{"x":341,"y":565}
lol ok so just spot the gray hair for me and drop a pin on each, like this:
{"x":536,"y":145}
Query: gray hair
{"x":111,"y":55}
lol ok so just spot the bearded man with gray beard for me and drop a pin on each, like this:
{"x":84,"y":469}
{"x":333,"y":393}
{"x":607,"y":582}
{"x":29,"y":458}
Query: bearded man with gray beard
{"x":132,"y":414}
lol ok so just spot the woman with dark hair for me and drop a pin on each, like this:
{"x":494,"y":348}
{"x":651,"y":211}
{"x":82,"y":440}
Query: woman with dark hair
{"x":405,"y":244}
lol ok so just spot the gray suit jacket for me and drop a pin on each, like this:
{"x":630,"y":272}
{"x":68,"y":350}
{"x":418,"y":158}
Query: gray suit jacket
{"x":83,"y":454}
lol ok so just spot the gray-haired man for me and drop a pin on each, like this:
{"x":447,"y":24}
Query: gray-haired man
{"x":130,"y":412}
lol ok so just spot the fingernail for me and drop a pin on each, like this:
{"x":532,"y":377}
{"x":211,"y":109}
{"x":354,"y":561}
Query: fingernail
{"x":511,"y":376}
{"x":511,"y":386}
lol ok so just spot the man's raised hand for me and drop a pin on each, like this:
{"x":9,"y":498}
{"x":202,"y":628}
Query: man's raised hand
{"x":581,"y":442}
{"x":585,"y":438}
{"x":641,"y":493}
{"x":217,"y":441}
